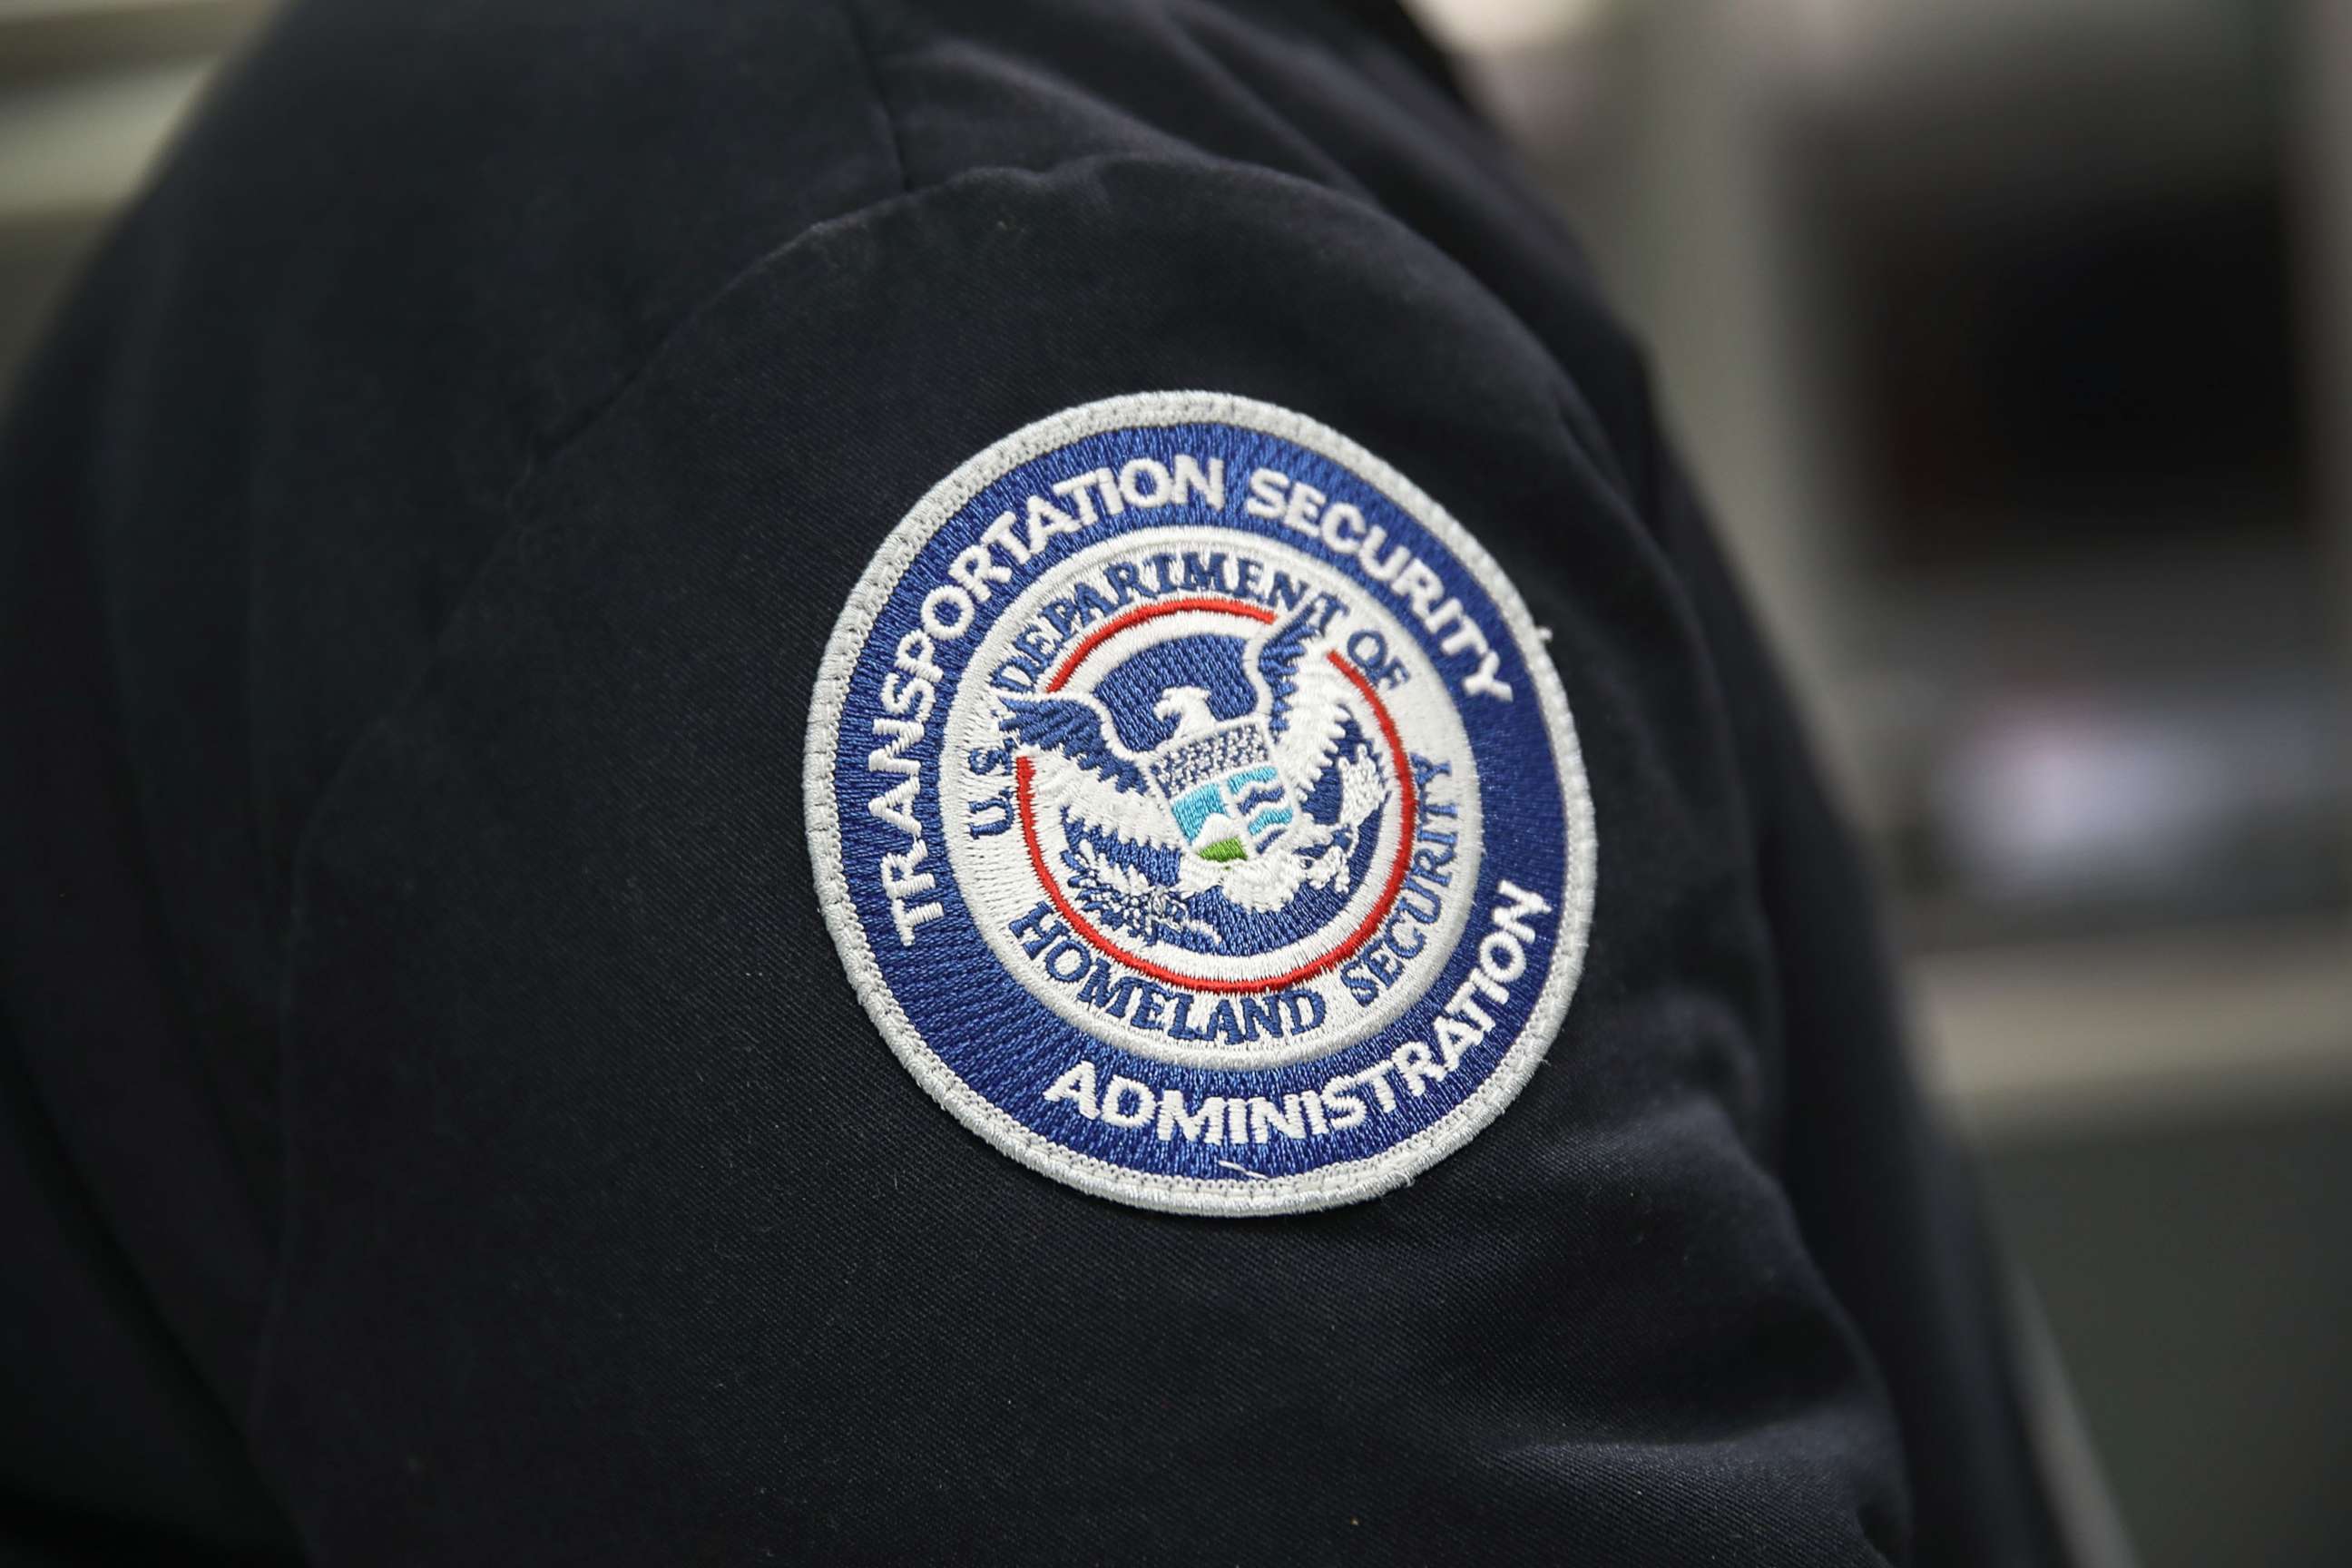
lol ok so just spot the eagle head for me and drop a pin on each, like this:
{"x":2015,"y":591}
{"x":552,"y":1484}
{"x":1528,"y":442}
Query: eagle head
{"x":1186,"y":707}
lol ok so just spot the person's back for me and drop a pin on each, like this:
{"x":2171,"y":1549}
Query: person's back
{"x":501,"y":1070}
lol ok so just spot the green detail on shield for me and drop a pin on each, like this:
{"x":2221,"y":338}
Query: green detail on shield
{"x":1223,"y":849}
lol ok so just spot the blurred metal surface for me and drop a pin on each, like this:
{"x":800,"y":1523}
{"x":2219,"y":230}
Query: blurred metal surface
{"x":2008,"y":339}
{"x":2013,"y":339}
{"x":90,"y":91}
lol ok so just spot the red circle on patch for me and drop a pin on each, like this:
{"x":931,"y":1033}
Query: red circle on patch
{"x":1024,"y":772}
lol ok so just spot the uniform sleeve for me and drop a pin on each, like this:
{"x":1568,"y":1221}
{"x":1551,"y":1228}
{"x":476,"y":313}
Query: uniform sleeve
{"x":626,"y":1223}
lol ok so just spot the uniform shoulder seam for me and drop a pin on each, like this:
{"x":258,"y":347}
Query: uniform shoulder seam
{"x":853,"y":14}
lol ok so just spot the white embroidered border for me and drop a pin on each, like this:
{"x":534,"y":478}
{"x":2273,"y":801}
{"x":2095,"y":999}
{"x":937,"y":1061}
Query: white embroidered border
{"x":1332,"y":1185}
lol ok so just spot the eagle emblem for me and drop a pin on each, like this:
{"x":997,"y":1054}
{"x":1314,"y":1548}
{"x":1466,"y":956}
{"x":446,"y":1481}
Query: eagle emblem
{"x":1239,"y":799}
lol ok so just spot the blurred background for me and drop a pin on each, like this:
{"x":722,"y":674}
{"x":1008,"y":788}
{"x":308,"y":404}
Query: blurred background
{"x":2013,"y":339}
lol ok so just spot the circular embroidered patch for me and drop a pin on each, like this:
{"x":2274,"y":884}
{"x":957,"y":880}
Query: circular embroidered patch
{"x":1197,"y":811}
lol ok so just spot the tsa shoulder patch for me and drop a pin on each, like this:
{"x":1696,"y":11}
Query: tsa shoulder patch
{"x":1197,"y":810}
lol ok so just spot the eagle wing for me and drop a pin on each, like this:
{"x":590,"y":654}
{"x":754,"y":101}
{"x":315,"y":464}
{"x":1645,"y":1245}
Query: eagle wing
{"x":1280,"y":655}
{"x":1362,"y":790}
{"x":1317,"y":719}
{"x":1081,"y":770}
{"x":1308,"y":697}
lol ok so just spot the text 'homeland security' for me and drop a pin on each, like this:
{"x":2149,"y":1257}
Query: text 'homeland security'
{"x":1467,"y":1019}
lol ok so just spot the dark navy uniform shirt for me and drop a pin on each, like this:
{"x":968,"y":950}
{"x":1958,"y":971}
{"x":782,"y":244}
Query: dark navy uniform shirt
{"x":440,"y":1123}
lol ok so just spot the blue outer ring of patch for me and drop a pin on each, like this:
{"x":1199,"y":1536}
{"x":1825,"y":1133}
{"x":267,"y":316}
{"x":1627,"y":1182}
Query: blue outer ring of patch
{"x":988,"y":1030}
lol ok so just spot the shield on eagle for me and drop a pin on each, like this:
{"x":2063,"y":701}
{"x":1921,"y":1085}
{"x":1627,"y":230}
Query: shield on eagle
{"x":1230,"y":801}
